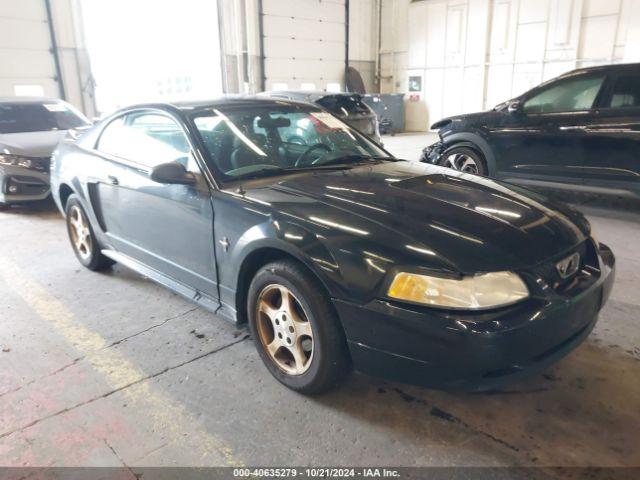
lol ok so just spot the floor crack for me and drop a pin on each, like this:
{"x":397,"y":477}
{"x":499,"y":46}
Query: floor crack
{"x":124,"y":387}
{"x":113,"y":450}
{"x":117,"y":342}
{"x":449,"y":417}
{"x":76,"y":360}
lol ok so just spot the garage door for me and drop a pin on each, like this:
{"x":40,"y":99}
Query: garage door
{"x":304,"y":44}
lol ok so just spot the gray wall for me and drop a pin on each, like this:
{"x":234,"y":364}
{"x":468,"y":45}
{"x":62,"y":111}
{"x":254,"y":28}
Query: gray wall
{"x":26,"y":55}
{"x":303,"y":41}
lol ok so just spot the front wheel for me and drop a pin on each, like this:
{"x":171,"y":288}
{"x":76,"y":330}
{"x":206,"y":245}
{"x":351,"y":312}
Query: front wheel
{"x":464,"y":159}
{"x":295,"y":329}
{"x":83,"y":240}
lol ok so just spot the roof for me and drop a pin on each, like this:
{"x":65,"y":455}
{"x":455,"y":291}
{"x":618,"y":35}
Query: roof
{"x":306,"y":95}
{"x":220,"y":102}
{"x":610,"y":67}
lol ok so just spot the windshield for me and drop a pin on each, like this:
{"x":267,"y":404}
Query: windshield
{"x":38,"y":117}
{"x":270,"y":140}
{"x":345,"y":105}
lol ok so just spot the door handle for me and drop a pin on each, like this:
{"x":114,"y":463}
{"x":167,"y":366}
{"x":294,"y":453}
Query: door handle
{"x":113,"y":180}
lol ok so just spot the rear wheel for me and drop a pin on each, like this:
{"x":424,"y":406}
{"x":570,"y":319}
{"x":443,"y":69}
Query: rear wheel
{"x":83,"y":240}
{"x":295,"y":328}
{"x":465,"y":160}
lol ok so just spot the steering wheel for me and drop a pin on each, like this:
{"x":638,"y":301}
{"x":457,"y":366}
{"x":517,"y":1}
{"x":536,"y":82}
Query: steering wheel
{"x":302,"y":159}
{"x":297,"y":139}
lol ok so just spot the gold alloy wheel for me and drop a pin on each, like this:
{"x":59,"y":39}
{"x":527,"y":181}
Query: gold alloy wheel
{"x":80,"y":233}
{"x":284,"y":329}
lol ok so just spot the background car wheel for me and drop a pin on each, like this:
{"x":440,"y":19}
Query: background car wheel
{"x":295,"y":328}
{"x":464,"y":159}
{"x":83,"y":240}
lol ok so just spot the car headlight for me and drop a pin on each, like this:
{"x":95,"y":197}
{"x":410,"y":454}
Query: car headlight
{"x":15,"y":160}
{"x":489,"y":290}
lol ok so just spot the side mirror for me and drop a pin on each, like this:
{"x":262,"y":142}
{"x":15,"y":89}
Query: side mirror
{"x":172,"y":173}
{"x":514,"y":107}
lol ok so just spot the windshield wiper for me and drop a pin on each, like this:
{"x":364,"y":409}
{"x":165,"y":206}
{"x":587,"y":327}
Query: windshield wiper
{"x":275,"y":171}
{"x":351,"y":158}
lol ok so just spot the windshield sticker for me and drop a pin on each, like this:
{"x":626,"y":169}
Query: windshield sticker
{"x":55,"y":107}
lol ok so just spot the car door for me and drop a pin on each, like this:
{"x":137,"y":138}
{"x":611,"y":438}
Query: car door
{"x":612,"y":144}
{"x":541,"y":138}
{"x":166,"y":227}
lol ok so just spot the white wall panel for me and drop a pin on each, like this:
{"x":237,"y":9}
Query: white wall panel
{"x":595,"y":8}
{"x":510,"y":46}
{"x":23,"y":9}
{"x":473,"y":89}
{"x":479,"y":13}
{"x":304,"y":42}
{"x":436,"y":27}
{"x":533,"y":12}
{"x":530,"y":46}
{"x":363,"y":31}
{"x":418,"y":36}
{"x":632,"y":41}
{"x":26,"y":51}
{"x":452,"y":98}
{"x":456,"y":35}
{"x":597,"y":37}
{"x":499,"y":82}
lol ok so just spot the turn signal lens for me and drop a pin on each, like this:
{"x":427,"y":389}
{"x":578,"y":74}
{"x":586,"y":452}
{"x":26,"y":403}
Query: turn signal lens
{"x":489,"y":290}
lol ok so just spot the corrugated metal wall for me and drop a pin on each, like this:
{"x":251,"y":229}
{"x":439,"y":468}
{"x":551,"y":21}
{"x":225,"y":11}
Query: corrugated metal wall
{"x":473,"y":54}
{"x":27,"y":58}
{"x":304,"y":43}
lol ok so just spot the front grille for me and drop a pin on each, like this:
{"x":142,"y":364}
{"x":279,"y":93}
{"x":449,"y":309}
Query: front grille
{"x":41,"y":164}
{"x":587,"y":273}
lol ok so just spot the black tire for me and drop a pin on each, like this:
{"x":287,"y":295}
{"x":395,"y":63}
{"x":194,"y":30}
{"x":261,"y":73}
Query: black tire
{"x":90,"y":255}
{"x":464,"y":159}
{"x":329,"y":362}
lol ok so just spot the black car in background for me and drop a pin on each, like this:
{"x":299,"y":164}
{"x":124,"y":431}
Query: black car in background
{"x":334,"y":252}
{"x":349,"y":107}
{"x":578,"y":131}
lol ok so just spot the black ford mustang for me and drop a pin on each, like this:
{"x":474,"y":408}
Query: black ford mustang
{"x":334,"y":252}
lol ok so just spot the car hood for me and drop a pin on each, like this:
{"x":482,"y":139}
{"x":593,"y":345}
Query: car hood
{"x":31,"y":144}
{"x":466,"y":119}
{"x":469,"y":223}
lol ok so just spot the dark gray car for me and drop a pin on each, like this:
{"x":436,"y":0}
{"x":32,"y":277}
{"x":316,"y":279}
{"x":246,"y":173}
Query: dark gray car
{"x":348,"y":107}
{"x":30,"y":129}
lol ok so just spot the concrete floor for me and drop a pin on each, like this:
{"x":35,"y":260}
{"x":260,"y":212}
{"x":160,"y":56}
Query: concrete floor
{"x":106,"y":369}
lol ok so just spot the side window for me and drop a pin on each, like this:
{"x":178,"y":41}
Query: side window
{"x":625,"y":92}
{"x":148,"y":139}
{"x":569,"y":95}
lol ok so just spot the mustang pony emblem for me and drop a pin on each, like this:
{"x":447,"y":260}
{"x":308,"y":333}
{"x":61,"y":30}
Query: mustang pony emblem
{"x":569,"y":265}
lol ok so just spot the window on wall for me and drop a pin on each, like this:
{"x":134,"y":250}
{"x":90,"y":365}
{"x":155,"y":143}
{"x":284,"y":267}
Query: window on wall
{"x":569,"y":95}
{"x":625,"y":92}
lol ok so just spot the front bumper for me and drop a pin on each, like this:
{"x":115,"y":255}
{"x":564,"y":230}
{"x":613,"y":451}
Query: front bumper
{"x":432,"y":153}
{"x":29,"y":185}
{"x":472,"y":351}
